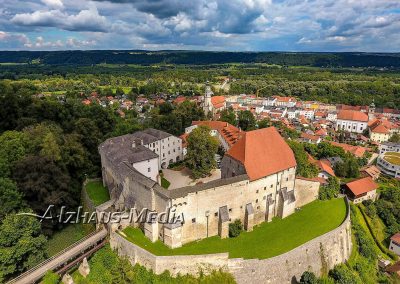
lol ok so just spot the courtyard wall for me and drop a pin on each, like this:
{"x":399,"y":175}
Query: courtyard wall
{"x":318,"y":255}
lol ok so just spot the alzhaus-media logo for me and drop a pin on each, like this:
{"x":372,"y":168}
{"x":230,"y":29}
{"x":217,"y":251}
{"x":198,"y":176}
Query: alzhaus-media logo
{"x":63,"y":216}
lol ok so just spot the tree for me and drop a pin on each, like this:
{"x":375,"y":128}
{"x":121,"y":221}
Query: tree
{"x":21,"y":245}
{"x":304,"y":167}
{"x":349,"y":168}
{"x":235,"y":228}
{"x":264,"y":123}
{"x":44,"y":183}
{"x":395,"y":138}
{"x":308,"y":277}
{"x":10,"y":198}
{"x":330,"y":190}
{"x":228,"y":115}
{"x":246,"y":120}
{"x":50,"y":147}
{"x":166,"y":108}
{"x":202,"y":148}
{"x":13,"y":147}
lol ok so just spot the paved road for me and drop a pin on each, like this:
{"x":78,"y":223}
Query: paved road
{"x":36,"y":273}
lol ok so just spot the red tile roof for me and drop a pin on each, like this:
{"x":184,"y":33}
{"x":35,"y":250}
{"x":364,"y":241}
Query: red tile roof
{"x":228,"y":132}
{"x":179,"y":100}
{"x":361,"y":186}
{"x":352,"y":115}
{"x":357,"y":151}
{"x":218,"y":101}
{"x":396,"y":238}
{"x":184,"y":138}
{"x":321,"y":132}
{"x":309,"y":136}
{"x":263,"y":152}
{"x":373,"y":171}
{"x":325,"y":166}
{"x":380,"y":126}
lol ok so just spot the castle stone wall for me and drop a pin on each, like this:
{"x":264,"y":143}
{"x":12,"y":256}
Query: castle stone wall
{"x":318,"y":255}
{"x":306,"y":191}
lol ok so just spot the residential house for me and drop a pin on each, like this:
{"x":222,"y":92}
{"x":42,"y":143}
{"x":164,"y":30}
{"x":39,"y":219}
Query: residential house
{"x":361,"y":189}
{"x":352,"y":121}
{"x":395,"y":244}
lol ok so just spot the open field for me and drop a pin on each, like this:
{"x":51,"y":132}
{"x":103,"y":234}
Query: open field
{"x":271,"y":239}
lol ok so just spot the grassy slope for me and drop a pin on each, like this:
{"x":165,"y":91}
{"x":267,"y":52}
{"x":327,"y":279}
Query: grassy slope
{"x":64,"y":238}
{"x":266,"y":240}
{"x":97,"y":192}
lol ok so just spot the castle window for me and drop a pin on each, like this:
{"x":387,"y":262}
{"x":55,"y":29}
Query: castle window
{"x":258,"y":207}
{"x":216,"y":214}
{"x":256,"y":200}
{"x":265,"y":188}
{"x":272,"y":185}
{"x":148,"y":169}
{"x":287,"y":179}
{"x":257,"y":191}
{"x":194,"y":220}
{"x":230,"y":209}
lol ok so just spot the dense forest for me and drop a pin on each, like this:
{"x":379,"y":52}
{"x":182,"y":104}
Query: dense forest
{"x":353,"y":86}
{"x":201,"y":57}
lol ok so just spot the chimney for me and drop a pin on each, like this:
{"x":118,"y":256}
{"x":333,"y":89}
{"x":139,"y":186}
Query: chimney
{"x":136,"y":142}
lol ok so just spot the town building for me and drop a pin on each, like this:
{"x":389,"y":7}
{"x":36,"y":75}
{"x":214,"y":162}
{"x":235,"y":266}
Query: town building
{"x":285,"y":101}
{"x":395,"y":244}
{"x":389,"y":147}
{"x":352,"y":121}
{"x":372,"y":171}
{"x":146,"y":151}
{"x":226,"y":133}
{"x":357,"y":151}
{"x":380,"y":130}
{"x":212,"y":104}
{"x":361,"y":189}
{"x":309,"y":138}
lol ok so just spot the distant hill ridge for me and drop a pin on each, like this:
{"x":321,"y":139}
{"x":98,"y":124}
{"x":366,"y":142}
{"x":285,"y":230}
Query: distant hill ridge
{"x":78,"y":57}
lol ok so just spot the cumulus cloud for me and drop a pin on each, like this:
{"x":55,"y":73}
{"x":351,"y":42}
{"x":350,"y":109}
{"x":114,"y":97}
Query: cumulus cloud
{"x":317,"y":25}
{"x":85,"y":20}
{"x":53,"y":3}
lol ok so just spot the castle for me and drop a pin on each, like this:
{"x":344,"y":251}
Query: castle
{"x":257,"y":183}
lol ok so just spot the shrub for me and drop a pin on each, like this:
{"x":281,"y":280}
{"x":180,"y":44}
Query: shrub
{"x":330,"y":190}
{"x":343,"y":275}
{"x":235,"y":228}
{"x":51,"y":278}
{"x":308,"y":277}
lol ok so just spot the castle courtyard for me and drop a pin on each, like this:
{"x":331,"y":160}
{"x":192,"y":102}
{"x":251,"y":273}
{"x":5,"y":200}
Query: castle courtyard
{"x":265,"y":241}
{"x":181,"y":178}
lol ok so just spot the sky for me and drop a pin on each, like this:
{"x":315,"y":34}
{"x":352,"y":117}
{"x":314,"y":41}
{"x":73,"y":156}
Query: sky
{"x":222,"y":25}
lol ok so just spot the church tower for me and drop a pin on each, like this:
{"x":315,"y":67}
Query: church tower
{"x":371,"y":110}
{"x":207,"y":105}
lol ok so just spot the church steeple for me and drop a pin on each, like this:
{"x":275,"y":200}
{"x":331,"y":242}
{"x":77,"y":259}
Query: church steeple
{"x":207,"y":99}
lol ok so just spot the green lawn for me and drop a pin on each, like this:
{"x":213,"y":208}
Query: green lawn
{"x":66,"y":237}
{"x":97,"y":192}
{"x":266,"y":240}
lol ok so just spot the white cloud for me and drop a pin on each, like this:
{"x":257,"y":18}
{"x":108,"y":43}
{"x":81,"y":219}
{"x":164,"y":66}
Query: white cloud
{"x":85,"y":20}
{"x":53,"y":3}
{"x":74,"y":43}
